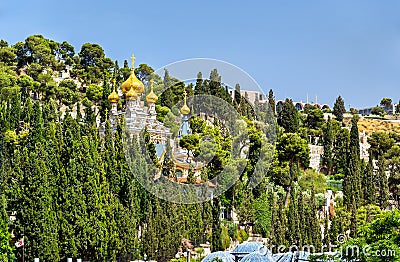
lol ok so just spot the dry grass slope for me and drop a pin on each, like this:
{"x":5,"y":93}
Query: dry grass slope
{"x":374,"y":125}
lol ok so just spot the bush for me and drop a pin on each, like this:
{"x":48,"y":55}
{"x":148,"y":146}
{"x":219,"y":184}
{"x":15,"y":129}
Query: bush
{"x":232,"y":229}
{"x":225,"y":239}
{"x":241,"y":235}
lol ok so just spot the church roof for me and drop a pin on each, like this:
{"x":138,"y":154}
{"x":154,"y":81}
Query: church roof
{"x":248,"y":247}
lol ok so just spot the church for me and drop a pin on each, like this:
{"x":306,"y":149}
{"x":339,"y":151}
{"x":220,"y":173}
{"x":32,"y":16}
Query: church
{"x":138,"y":116}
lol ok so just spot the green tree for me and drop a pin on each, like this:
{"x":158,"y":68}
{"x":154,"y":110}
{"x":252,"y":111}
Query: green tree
{"x":198,"y":88}
{"x":93,"y":65}
{"x":310,"y":179}
{"x":378,"y":237}
{"x":68,"y":93}
{"x":314,"y":227}
{"x":339,"y":109}
{"x":6,"y":251}
{"x":189,"y":142}
{"x":315,"y":119}
{"x":327,"y":159}
{"x":271,"y":101}
{"x":66,"y":53}
{"x":352,"y":179}
{"x":216,"y":243}
{"x":94,"y":93}
{"x":237,"y":95}
{"x":369,"y":184}
{"x":377,"y":110}
{"x":393,"y":164}
{"x":293,"y":149}
{"x":341,"y":150}
{"x":381,"y":142}
{"x":288,"y":117}
{"x":383,"y":187}
{"x":386,"y":102}
{"x":143,"y":73}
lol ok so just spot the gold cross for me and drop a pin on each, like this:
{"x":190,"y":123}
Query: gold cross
{"x":184,"y":93}
{"x":114,"y":83}
{"x":133,"y":61}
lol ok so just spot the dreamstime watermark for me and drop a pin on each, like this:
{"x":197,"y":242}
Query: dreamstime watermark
{"x":214,"y":106}
{"x":346,"y":251}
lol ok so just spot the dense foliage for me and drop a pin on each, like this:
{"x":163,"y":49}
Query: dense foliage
{"x":75,"y":196}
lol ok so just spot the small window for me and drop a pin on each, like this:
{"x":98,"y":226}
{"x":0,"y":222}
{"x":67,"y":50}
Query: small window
{"x":60,"y":74}
{"x":178,"y":173}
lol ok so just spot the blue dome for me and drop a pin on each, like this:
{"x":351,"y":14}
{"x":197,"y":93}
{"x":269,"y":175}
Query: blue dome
{"x":257,"y":257}
{"x":283,"y":257}
{"x":248,"y":247}
{"x":289,"y":256}
{"x":225,"y":256}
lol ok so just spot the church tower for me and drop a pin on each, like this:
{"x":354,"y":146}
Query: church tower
{"x":151,"y":99}
{"x":185,"y":111}
{"x":113,"y":98}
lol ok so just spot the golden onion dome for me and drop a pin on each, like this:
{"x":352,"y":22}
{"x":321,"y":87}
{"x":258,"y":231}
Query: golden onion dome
{"x":151,"y":97}
{"x":131,"y":94}
{"x":132,"y":82}
{"x":185,"y":110}
{"x":113,"y":97}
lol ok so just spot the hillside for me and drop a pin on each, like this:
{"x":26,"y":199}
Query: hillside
{"x":375,"y":125}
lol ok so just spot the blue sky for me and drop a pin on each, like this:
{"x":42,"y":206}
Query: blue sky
{"x":322,"y":48}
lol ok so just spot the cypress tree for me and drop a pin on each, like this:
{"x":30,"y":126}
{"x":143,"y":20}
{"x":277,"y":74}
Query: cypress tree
{"x":334,"y":230}
{"x":38,"y":217}
{"x":369,"y":185}
{"x":383,"y":188}
{"x":15,"y":112}
{"x":339,"y":109}
{"x":167,"y":97}
{"x":293,"y":220}
{"x":168,"y":164}
{"x":216,"y":243}
{"x":90,"y":117}
{"x":282,"y":225}
{"x":6,"y":251}
{"x":326,"y":239}
{"x":302,"y":219}
{"x":72,"y":205}
{"x":271,"y":101}
{"x":352,"y":183}
{"x":288,"y":117}
{"x":328,"y":142}
{"x":150,"y":243}
{"x":353,"y":220}
{"x":237,"y":95}
{"x":198,"y":88}
{"x":341,"y":151}
{"x":315,"y":226}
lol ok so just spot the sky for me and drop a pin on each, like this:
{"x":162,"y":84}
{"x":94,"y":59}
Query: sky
{"x":297,"y":48}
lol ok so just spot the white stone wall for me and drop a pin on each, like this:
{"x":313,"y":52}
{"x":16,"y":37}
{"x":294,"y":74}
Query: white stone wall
{"x":316,"y":153}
